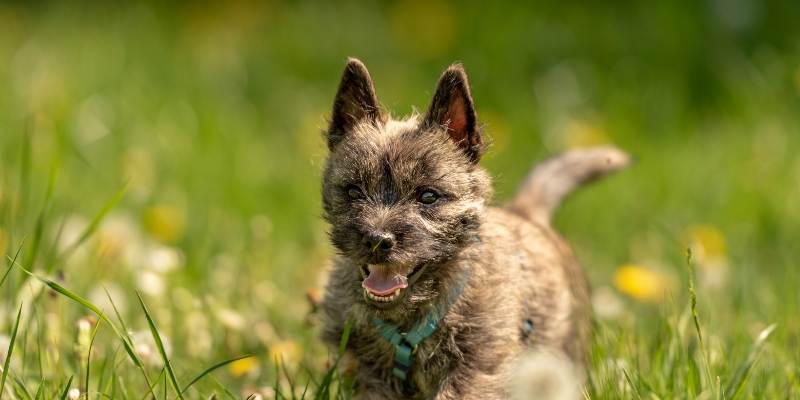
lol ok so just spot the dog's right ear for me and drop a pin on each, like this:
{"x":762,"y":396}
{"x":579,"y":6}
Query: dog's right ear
{"x":355,"y":102}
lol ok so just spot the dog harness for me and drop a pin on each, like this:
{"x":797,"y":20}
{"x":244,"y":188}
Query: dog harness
{"x":405,"y":343}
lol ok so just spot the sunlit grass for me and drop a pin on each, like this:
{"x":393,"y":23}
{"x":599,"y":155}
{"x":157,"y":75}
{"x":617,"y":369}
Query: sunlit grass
{"x":159,"y":185}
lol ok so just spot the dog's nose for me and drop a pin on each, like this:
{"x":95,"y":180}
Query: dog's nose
{"x":378,"y":243}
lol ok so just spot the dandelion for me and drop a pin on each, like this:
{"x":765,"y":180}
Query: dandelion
{"x":244,"y":366}
{"x":165,"y":223}
{"x":545,"y":375}
{"x":583,"y":134}
{"x":642,"y":283}
{"x":707,"y":242}
{"x":709,"y":251}
{"x":286,"y":351}
{"x":74,"y":394}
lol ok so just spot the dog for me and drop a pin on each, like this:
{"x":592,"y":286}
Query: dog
{"x":443,"y":292}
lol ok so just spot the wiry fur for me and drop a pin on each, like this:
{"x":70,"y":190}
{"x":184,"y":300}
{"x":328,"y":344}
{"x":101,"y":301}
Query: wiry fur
{"x":518,"y":267}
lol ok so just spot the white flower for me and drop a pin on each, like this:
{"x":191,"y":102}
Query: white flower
{"x":231,"y":319}
{"x":164,"y":259}
{"x":606,"y":303}
{"x":117,"y":232}
{"x":74,"y":394}
{"x":545,"y":375}
{"x":151,"y":283}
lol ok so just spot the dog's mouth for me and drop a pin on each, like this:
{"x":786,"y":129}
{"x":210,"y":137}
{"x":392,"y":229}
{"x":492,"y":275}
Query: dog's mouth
{"x":385,"y":285}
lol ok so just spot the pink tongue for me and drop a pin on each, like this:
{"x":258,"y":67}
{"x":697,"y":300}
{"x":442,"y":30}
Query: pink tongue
{"x":381,"y":281}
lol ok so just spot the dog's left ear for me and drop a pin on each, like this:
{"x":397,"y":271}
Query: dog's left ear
{"x":452,"y":108}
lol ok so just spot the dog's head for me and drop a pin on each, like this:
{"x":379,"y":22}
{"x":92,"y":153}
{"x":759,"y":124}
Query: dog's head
{"x":402,"y":196}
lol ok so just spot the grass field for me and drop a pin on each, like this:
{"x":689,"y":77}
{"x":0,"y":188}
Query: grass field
{"x":160,"y":166}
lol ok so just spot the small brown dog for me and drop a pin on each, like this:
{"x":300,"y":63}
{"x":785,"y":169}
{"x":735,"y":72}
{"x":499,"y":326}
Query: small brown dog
{"x":444,"y":291}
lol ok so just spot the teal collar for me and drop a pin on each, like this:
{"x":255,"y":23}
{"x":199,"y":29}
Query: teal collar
{"x":405,"y":343}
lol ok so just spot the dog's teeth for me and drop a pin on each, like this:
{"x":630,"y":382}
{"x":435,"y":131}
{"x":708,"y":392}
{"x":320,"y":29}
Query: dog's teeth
{"x":384,"y":299}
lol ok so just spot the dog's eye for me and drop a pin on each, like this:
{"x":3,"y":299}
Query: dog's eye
{"x":354,"y":193}
{"x":427,"y":197}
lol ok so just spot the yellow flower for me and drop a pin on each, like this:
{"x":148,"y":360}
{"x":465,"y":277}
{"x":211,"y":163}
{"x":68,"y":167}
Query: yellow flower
{"x":642,"y":283}
{"x":583,"y":134}
{"x":243,"y":367}
{"x":709,"y":251}
{"x":707,"y":243}
{"x":285,"y":351}
{"x":165,"y":223}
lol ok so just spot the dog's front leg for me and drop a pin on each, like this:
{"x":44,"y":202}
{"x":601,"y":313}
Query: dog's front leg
{"x":466,"y":384}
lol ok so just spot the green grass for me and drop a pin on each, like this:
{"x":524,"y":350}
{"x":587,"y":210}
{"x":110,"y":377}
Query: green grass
{"x":175,"y":152}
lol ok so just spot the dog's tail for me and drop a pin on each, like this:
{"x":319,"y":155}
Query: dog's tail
{"x":551,"y":181}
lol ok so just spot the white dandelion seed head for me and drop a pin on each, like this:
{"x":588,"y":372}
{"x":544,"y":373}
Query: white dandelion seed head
{"x":74,"y":394}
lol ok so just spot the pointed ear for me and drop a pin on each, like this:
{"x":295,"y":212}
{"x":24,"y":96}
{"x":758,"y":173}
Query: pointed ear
{"x":453,"y":109}
{"x":355,"y":102}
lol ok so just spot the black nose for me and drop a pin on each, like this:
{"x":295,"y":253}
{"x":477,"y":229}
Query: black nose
{"x":378,"y":243}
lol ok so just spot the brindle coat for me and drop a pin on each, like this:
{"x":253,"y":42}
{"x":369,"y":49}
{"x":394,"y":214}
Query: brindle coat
{"x":516,"y":266}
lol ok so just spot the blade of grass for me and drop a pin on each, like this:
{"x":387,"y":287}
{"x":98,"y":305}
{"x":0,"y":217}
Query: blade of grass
{"x":127,"y":344}
{"x":734,"y":387}
{"x":65,"y":391}
{"x":9,"y":353}
{"x":288,"y":376}
{"x":212,"y":369}
{"x":11,"y":262}
{"x":224,"y":389}
{"x":95,"y":223}
{"x":160,"y":345}
{"x":40,"y":390}
{"x":323,"y":391}
{"x":696,"y":319}
{"x":25,"y":166}
{"x":21,"y":390}
{"x":89,"y":359}
{"x":41,"y":219}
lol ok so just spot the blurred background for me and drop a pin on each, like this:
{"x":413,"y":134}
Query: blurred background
{"x":204,"y":120}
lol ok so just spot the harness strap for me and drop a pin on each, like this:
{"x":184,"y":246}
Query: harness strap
{"x":405,"y":343}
